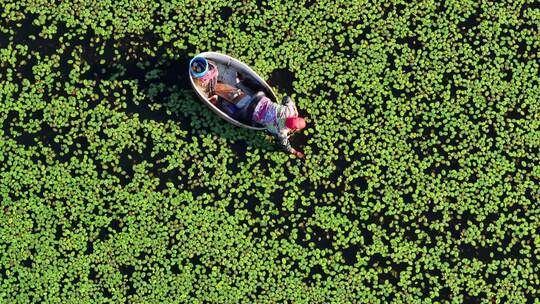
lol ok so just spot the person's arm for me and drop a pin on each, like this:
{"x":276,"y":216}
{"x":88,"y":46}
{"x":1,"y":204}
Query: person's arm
{"x":283,"y":140}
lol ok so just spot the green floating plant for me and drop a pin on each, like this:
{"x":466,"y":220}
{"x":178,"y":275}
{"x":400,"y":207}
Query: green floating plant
{"x":419,"y":183}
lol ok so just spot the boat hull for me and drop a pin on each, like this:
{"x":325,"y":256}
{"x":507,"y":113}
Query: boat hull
{"x":228,"y":66}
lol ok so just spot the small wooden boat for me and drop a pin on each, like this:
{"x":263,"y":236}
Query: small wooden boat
{"x":227,"y":73}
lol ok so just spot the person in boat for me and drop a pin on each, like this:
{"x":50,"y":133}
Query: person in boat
{"x":281,"y":120}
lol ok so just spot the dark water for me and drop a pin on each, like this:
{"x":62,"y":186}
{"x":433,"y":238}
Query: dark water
{"x":283,"y":80}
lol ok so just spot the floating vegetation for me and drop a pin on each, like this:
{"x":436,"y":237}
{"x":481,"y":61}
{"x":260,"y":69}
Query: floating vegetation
{"x":420,"y":182}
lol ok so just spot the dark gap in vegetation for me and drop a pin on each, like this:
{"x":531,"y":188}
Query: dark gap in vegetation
{"x":127,"y":270}
{"x":349,"y":254}
{"x":225,"y":13}
{"x":196,"y":260}
{"x":92,"y":275}
{"x":197,"y":191}
{"x":468,"y":251}
{"x":309,"y":210}
{"x":388,"y":276}
{"x":107,"y":293}
{"x":397,"y":93}
{"x":361,"y":182}
{"x":369,"y":108}
{"x":45,"y":135}
{"x":4,"y":40}
{"x":473,"y":178}
{"x":231,"y":208}
{"x":115,"y":225}
{"x":240,"y":148}
{"x":103,"y":233}
{"x":472,"y":21}
{"x":412,"y":42}
{"x":131,"y":288}
{"x":459,"y":222}
{"x":508,"y":76}
{"x":126,"y":165}
{"x":377,"y":260}
{"x":277,"y":198}
{"x":75,"y":280}
{"x":27,"y":263}
{"x":58,"y":232}
{"x":398,"y":8}
{"x":410,"y":234}
{"x":445,"y":293}
{"x":515,"y":113}
{"x":407,"y":198}
{"x":251,"y":204}
{"x":242,"y":26}
{"x":471,"y":299}
{"x":341,"y":164}
{"x":435,"y":216}
{"x":318,"y":270}
{"x":391,"y":59}
{"x":89,"y":247}
{"x":46,"y":47}
{"x":142,"y":256}
{"x":10,"y":118}
{"x":80,"y":145}
{"x":309,"y":3}
{"x":63,"y":157}
{"x":406,"y":68}
{"x":322,"y":238}
{"x":26,"y":70}
{"x":283,"y":79}
{"x":526,"y":52}
{"x":440,"y":8}
{"x":492,"y":133}
{"x":175,"y":269}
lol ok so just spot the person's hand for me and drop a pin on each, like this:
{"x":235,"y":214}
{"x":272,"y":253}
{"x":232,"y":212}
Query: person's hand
{"x":213,"y":99}
{"x":299,"y":154}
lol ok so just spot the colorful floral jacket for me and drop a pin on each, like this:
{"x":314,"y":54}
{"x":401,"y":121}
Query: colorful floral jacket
{"x":273,"y":116}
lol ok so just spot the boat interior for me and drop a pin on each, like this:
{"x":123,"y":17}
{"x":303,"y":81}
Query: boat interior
{"x":233,"y":76}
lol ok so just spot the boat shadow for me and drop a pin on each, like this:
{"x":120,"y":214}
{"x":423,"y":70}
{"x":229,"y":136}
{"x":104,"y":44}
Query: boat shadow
{"x":165,"y":79}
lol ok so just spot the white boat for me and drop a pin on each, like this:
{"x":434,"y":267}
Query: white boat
{"x":227,"y":71}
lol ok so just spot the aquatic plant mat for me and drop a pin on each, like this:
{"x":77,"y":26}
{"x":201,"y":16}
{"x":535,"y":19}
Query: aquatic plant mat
{"x":420,"y":182}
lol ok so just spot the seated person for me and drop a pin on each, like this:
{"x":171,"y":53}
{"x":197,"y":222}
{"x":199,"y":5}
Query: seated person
{"x":208,"y":80}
